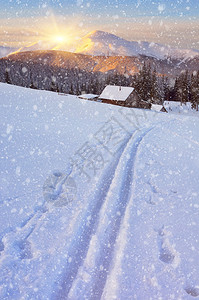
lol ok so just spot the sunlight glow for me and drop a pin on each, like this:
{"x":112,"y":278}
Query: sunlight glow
{"x":59,"y":39}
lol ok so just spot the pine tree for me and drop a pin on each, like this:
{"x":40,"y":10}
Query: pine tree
{"x":54,"y":87}
{"x":71,"y":90}
{"x":146,"y":84}
{"x":176,"y":93}
{"x":7,"y":77}
{"x":165,"y":90}
{"x":154,"y":93}
{"x":32,"y":85}
{"x":183,"y":88}
{"x":194,"y":90}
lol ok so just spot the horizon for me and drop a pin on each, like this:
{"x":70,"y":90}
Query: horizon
{"x":175,"y":24}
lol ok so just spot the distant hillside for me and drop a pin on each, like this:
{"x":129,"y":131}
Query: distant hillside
{"x":121,"y":64}
{"x":50,"y":70}
{"x":74,"y":73}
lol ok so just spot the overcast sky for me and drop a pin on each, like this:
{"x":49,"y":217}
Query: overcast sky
{"x":165,"y":21}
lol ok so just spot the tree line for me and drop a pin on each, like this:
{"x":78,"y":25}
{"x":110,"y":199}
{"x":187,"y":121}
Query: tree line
{"x":149,"y":85}
{"x":185,"y":89}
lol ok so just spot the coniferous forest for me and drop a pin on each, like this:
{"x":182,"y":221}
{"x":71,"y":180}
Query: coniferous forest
{"x":149,"y":85}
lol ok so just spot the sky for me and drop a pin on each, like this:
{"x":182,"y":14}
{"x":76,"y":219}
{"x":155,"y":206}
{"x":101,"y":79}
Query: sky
{"x":174,"y":23}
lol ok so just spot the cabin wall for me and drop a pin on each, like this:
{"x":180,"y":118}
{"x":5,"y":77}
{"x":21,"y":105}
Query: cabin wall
{"x":111,"y":101}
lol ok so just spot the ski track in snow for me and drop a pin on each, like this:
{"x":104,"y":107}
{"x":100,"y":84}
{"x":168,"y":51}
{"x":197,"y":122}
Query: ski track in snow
{"x":86,"y":226}
{"x":112,"y":197}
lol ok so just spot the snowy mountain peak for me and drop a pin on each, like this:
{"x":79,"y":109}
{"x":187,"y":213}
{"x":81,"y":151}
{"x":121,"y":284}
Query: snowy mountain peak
{"x":103,"y":43}
{"x":98,"y":34}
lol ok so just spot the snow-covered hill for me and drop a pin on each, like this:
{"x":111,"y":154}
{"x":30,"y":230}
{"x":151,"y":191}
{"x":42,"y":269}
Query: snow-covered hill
{"x":103,"y":43}
{"x":96,"y":201}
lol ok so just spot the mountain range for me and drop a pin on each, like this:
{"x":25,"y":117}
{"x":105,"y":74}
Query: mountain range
{"x":99,"y":55}
{"x":100,"y":43}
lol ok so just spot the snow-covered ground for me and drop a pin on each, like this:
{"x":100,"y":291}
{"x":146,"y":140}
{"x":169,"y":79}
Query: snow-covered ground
{"x":96,"y":201}
{"x":177,"y":107}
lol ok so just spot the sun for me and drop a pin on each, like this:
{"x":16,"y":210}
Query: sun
{"x":59,"y":39}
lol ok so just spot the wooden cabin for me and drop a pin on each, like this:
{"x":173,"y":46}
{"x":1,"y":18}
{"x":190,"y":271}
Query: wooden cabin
{"x":122,"y":96}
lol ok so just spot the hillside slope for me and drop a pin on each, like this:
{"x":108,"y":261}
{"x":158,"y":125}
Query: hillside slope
{"x":97,"y":202}
{"x":121,"y":64}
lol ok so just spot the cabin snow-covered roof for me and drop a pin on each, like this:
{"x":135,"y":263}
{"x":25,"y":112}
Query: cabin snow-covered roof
{"x":156,"y":107}
{"x":88,"y":96}
{"x":117,"y":93}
